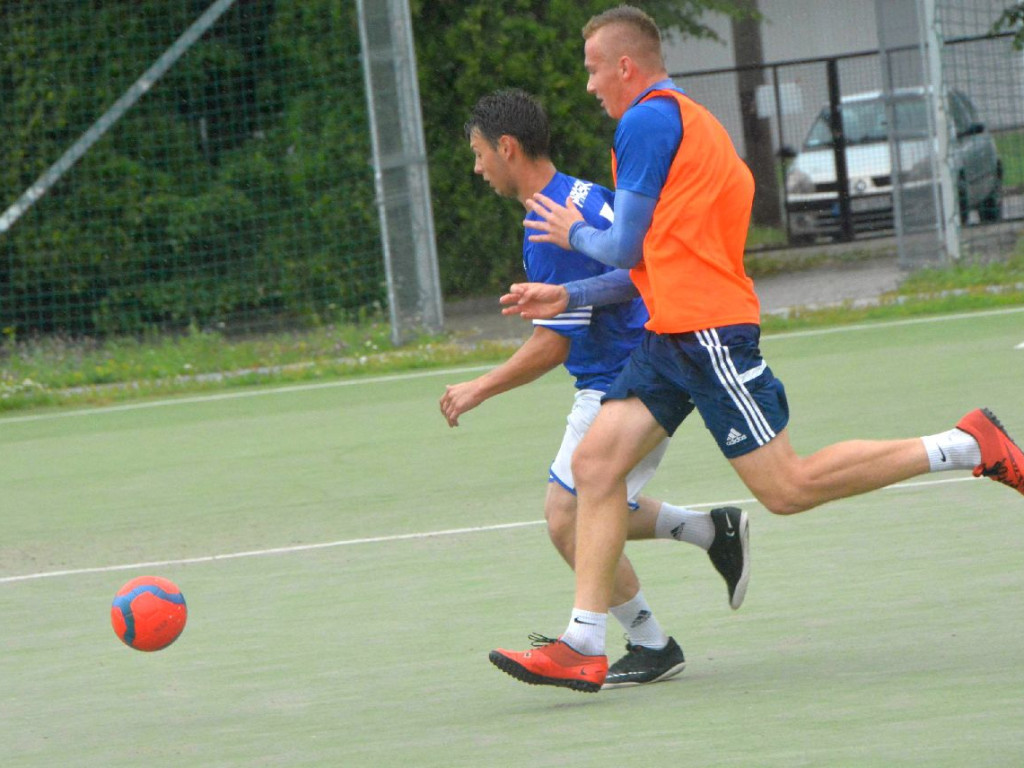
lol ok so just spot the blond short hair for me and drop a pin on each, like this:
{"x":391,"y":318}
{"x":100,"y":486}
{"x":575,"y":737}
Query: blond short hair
{"x":641,"y":37}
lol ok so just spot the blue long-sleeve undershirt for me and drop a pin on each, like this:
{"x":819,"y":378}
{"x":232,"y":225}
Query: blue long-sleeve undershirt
{"x":609,"y":288}
{"x":621,"y":245}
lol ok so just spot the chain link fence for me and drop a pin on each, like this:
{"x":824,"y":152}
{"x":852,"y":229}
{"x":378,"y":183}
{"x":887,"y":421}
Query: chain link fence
{"x":225,"y":180}
{"x":839,"y":126}
{"x":235,"y":192}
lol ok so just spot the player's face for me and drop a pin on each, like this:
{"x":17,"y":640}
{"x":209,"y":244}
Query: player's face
{"x":490,"y":163}
{"x":604,"y":73}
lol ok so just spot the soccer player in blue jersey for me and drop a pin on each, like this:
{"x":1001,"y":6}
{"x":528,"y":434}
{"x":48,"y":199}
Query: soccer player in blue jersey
{"x":508,"y":133}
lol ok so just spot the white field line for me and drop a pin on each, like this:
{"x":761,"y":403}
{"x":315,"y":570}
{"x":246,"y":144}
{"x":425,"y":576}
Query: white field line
{"x":894,"y":323}
{"x":244,"y":393}
{"x":298,"y":548}
{"x":398,"y":377}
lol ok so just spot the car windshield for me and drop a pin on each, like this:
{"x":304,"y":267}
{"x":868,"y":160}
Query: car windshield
{"x":864,"y":122}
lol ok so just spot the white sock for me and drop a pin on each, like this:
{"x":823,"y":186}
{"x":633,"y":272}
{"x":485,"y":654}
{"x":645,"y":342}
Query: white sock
{"x":953,"y":449}
{"x":586,"y":632}
{"x":641,"y":627}
{"x":684,"y":524}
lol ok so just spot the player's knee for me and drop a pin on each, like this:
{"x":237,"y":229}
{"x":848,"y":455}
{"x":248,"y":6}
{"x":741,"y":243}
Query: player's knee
{"x":591,"y":470}
{"x":784,"y":500}
{"x":782,"y":506}
{"x":561,"y":523}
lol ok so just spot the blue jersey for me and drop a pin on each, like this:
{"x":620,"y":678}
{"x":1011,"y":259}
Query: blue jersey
{"x":601,"y":337}
{"x":646,"y":141}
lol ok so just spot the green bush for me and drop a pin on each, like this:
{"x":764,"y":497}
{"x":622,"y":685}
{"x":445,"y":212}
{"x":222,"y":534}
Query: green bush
{"x":238,"y":192}
{"x":468,"y":49}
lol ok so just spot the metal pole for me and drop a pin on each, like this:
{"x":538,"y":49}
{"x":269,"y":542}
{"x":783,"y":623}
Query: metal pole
{"x":783,"y":216}
{"x":895,"y":159}
{"x":400,"y":168}
{"x":839,"y":151}
{"x":947,"y":204}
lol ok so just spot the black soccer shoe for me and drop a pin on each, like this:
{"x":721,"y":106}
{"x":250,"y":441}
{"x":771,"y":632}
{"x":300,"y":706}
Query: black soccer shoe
{"x":730,"y":551}
{"x":643,"y":665}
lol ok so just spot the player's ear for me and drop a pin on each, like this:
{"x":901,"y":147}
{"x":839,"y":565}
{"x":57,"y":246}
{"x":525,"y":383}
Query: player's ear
{"x":507,"y":146}
{"x":627,"y":67}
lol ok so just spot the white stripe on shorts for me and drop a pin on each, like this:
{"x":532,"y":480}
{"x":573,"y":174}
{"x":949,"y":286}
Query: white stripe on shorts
{"x":579,"y":316}
{"x":735,"y":385}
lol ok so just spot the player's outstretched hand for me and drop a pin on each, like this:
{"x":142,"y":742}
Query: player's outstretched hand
{"x":459,"y":398}
{"x":535,"y":301}
{"x":555,"y":220}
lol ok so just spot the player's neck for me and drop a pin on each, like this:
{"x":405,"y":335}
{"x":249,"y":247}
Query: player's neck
{"x":534,"y":178}
{"x":646,"y":83}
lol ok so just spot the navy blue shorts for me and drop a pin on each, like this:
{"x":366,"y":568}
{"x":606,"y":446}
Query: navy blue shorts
{"x":720,"y":372}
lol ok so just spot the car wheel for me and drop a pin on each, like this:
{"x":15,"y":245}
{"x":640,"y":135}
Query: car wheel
{"x":991,"y":208}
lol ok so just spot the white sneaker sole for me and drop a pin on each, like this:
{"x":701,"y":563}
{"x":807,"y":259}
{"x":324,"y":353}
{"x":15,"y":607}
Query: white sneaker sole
{"x":740,"y":592}
{"x":663,"y":676}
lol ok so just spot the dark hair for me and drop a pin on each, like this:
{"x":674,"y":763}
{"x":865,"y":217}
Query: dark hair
{"x":512,"y":112}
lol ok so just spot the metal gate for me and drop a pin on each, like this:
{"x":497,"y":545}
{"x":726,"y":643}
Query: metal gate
{"x":921,"y":138}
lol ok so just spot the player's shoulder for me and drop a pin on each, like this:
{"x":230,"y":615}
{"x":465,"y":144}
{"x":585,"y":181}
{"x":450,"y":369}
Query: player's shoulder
{"x":656,"y":113}
{"x":578,"y":189}
{"x":592,"y":199}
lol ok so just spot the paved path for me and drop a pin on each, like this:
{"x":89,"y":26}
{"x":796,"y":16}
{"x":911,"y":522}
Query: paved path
{"x":859,"y":281}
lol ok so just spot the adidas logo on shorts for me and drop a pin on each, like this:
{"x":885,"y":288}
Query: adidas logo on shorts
{"x":734,"y":437}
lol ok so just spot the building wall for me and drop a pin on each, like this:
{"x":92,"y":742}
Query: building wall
{"x":799,"y":29}
{"x":793,"y":29}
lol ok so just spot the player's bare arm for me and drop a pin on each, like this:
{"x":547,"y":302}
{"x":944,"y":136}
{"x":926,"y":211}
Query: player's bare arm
{"x":535,"y":301}
{"x":542,"y":352}
{"x":556,"y":220}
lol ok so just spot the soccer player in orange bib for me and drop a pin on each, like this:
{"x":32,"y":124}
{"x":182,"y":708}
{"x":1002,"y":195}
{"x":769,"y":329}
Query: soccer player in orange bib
{"x":682,"y":208}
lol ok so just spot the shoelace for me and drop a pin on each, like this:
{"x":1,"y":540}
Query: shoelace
{"x":998,"y":471}
{"x":538,"y":640}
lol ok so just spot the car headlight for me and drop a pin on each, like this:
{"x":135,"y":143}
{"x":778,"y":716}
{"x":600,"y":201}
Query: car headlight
{"x":798,"y":182}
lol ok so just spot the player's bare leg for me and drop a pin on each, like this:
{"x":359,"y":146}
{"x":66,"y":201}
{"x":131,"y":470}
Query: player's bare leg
{"x":622,"y":434}
{"x":560,"y":512}
{"x":786,"y":483}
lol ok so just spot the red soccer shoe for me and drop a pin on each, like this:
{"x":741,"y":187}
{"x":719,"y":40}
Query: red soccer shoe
{"x":1001,"y":458}
{"x":552,"y":662}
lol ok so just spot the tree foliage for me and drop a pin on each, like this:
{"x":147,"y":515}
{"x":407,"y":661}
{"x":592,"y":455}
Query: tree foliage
{"x":1012,"y":20}
{"x":468,"y":49}
{"x":240,"y":185}
{"x":238,"y":188}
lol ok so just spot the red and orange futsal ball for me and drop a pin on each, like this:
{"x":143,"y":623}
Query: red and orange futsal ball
{"x":148,"y":613}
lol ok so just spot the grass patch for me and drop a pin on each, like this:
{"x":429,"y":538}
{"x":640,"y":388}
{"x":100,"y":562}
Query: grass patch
{"x":894,"y":307}
{"x":56,"y":371}
{"x":961,"y":288}
{"x":53,"y":371}
{"x":967,"y":274}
